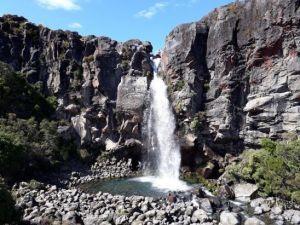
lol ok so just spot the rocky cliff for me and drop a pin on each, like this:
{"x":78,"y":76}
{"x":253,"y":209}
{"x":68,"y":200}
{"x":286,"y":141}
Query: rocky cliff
{"x":99,"y":83}
{"x":233,"y":77}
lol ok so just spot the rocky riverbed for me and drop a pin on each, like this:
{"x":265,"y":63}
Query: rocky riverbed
{"x":49,"y":204}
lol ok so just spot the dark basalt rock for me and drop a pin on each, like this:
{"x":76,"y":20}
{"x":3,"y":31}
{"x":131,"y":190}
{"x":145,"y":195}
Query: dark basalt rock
{"x":239,"y":69}
{"x":83,"y":73}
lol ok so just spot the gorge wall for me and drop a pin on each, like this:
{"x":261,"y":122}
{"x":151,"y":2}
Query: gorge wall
{"x":233,"y":77}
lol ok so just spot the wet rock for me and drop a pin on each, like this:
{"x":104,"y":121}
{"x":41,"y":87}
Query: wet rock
{"x":207,"y":171}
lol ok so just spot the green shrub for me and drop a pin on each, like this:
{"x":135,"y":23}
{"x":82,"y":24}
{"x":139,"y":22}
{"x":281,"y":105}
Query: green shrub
{"x":179,"y":85}
{"x":8,"y":213}
{"x":179,"y":107}
{"x":12,"y":156}
{"x":125,"y":64}
{"x":197,"y":121}
{"x":52,"y":101}
{"x":65,"y":44}
{"x":295,"y":196}
{"x":19,"y":97}
{"x":28,"y":146}
{"x":206,"y":87}
{"x":78,"y":73}
{"x":275,"y":168}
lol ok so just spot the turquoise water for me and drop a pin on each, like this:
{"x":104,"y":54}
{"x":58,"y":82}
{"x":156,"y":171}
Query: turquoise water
{"x":126,"y":187}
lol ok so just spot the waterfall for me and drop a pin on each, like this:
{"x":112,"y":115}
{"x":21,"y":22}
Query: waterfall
{"x":163,"y":123}
{"x":162,"y":145}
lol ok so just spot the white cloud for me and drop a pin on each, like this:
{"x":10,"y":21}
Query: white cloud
{"x":152,"y":11}
{"x":75,"y":25}
{"x":59,"y":4}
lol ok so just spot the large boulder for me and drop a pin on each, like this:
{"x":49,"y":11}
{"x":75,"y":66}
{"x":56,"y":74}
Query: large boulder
{"x":245,"y":191}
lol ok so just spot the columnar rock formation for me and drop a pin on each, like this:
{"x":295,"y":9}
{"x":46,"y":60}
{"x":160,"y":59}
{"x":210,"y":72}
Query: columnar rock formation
{"x":233,"y":77}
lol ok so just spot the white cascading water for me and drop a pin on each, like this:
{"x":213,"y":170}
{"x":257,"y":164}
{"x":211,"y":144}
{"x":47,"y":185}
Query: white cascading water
{"x":161,"y":124}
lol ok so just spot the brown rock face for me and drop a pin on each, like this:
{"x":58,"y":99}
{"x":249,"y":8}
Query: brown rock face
{"x":234,"y":76}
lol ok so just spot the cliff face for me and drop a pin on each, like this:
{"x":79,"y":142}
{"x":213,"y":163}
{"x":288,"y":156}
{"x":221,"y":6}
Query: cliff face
{"x":84,"y":74}
{"x":234,"y":76}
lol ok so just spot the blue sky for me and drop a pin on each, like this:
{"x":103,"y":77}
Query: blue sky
{"x":121,"y":20}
